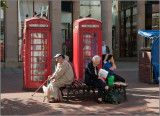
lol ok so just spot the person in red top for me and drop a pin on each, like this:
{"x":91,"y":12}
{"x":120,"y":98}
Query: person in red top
{"x":67,"y":58}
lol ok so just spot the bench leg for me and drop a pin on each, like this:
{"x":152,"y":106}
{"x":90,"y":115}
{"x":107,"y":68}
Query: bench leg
{"x":125,"y":96}
{"x":94,"y":91}
{"x":68,"y":91}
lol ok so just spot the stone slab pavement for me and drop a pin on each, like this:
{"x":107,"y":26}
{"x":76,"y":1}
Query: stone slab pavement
{"x":143,"y":98}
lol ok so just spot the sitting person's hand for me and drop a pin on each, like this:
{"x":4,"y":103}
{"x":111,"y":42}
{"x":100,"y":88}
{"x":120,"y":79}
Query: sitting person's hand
{"x":49,"y":77}
{"x":102,"y":79}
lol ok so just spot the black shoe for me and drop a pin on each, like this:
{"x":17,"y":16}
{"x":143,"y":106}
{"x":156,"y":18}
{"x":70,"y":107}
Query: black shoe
{"x":101,"y":102}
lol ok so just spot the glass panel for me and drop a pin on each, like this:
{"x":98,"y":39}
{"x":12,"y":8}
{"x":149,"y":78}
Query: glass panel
{"x":24,"y":8}
{"x":128,"y":12}
{"x":86,"y":53}
{"x":45,"y":41}
{"x":133,"y":2}
{"x":93,"y":47}
{"x":37,"y":53}
{"x":38,"y":35}
{"x":93,"y":53}
{"x":127,"y":39}
{"x":135,"y":11}
{"x":37,"y":78}
{"x":38,"y":59}
{"x":155,"y":16}
{"x":37,"y":72}
{"x":36,"y":41}
{"x":66,"y":21}
{"x":127,"y":4}
{"x":42,"y":7}
{"x":37,"y":65}
{"x":134,"y":24}
{"x":122,"y":14}
{"x":86,"y":47}
{"x":87,"y":41}
{"x":90,"y":9}
{"x":37,"y":47}
{"x":122,"y":5}
{"x":128,"y":23}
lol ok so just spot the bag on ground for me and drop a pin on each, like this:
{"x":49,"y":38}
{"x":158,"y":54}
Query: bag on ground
{"x":113,"y":97}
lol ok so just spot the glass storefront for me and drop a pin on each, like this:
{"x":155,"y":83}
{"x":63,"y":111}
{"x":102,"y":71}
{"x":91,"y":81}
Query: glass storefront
{"x":28,"y":8}
{"x":2,"y":35}
{"x":128,"y":29}
{"x":66,"y":19}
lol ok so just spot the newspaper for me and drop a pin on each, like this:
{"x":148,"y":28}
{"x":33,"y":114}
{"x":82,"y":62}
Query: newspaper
{"x":103,"y":73}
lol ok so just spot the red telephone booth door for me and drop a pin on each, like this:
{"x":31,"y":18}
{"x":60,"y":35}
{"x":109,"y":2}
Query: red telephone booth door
{"x":37,"y":53}
{"x":87,"y":42}
{"x":91,"y":47}
{"x":37,"y":57}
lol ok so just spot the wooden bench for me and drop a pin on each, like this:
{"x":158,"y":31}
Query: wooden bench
{"x":79,"y":85}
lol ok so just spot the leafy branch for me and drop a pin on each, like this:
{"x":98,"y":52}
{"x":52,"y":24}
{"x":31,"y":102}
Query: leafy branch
{"x":3,"y":4}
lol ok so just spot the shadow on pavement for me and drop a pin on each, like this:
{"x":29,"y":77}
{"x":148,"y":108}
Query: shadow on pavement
{"x":21,"y":107}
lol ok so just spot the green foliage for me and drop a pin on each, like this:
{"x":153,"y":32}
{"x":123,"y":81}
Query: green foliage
{"x":3,"y":4}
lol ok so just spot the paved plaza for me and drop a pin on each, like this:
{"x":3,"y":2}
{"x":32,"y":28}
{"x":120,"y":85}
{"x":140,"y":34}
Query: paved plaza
{"x":143,"y":98}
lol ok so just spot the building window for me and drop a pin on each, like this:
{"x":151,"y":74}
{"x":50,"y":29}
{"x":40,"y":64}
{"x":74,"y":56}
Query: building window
{"x":90,"y":9}
{"x":128,"y":29}
{"x":28,"y":8}
{"x":151,"y":19}
{"x":155,"y":16}
{"x":2,"y":36}
{"x":66,"y":18}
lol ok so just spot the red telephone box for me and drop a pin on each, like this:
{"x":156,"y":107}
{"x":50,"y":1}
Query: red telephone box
{"x":87,"y":42}
{"x":37,"y":53}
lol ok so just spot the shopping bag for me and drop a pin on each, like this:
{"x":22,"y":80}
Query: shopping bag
{"x":111,"y":80}
{"x":113,"y":97}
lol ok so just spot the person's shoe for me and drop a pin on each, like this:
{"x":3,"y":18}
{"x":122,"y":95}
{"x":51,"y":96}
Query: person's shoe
{"x":52,"y":100}
{"x":101,"y":102}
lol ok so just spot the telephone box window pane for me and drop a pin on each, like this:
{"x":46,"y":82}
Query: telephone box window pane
{"x":44,"y":59}
{"x":37,"y":41}
{"x":93,"y":41}
{"x":37,"y":47}
{"x":86,"y":53}
{"x":38,"y":59}
{"x":93,"y":53}
{"x":34,"y":59}
{"x":87,"y":41}
{"x":45,"y":41}
{"x":93,"y":47}
{"x":87,"y":47}
{"x":38,"y":35}
{"x":38,"y":72}
{"x":37,"y":53}
{"x":37,"y":65}
{"x":37,"y":78}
